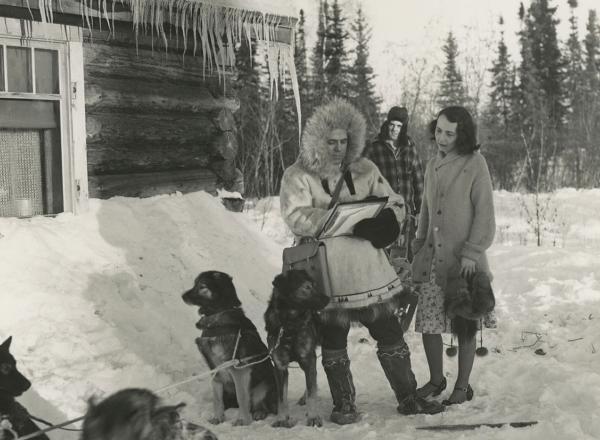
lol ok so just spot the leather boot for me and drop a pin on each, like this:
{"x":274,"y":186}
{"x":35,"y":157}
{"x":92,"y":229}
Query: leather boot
{"x":395,"y":361}
{"x":337,"y":368}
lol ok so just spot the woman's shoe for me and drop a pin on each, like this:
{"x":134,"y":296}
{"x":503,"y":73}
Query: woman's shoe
{"x":436,"y":390}
{"x":468,"y":396}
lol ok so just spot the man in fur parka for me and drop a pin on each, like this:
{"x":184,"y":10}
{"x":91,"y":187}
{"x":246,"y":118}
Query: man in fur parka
{"x":365,"y":287}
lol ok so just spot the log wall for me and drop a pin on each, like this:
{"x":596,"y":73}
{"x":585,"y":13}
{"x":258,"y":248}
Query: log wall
{"x":158,"y":114}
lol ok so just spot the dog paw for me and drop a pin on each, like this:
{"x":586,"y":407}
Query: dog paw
{"x":259,"y":415}
{"x":216,"y":420}
{"x":242,"y":422}
{"x":288,"y":422}
{"x":315,"y":421}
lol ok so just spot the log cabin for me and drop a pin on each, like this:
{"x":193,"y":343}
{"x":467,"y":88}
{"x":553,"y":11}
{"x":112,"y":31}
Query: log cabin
{"x":131,"y":98}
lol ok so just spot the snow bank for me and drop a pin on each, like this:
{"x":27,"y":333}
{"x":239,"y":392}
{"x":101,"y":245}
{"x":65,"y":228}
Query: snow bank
{"x":93,"y":303}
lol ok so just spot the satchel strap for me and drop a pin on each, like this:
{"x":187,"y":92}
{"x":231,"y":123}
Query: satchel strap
{"x":347,"y":177}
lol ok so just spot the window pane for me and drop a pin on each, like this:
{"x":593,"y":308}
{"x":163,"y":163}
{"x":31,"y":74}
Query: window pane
{"x":18,"y":63}
{"x":30,"y":173}
{"x":1,"y":68}
{"x":46,"y":71}
{"x":21,"y":193}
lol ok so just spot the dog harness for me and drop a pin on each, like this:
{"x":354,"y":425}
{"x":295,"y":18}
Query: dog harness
{"x":228,"y":322}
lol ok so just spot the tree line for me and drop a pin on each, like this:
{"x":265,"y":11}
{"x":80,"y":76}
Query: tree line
{"x":539,"y":127}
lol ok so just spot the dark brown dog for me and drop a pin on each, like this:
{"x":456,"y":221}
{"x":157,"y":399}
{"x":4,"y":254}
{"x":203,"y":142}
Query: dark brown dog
{"x":292,"y":333}
{"x":13,"y":384}
{"x":136,"y":414}
{"x":228,"y":333}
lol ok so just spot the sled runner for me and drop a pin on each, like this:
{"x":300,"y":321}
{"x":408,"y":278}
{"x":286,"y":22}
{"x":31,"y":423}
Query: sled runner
{"x":464,"y":427}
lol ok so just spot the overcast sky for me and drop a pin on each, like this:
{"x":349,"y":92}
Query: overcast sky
{"x":422,"y":22}
{"x":417,"y":28}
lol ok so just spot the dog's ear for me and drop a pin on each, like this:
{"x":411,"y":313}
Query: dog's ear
{"x":224,"y":285}
{"x":281,"y":284}
{"x":92,"y":402}
{"x":6,"y":344}
{"x":280,"y":281}
{"x":221,"y":276}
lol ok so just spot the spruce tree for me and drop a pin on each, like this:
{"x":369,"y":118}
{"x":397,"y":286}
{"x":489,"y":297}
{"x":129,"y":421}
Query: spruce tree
{"x":501,"y":86}
{"x":575,"y":85}
{"x":497,"y":130}
{"x":540,"y":28}
{"x":592,"y":101}
{"x":540,"y":97}
{"x":248,"y":117}
{"x":592,"y":50}
{"x":362,"y":88}
{"x":452,"y":90}
{"x":317,"y":77}
{"x":336,"y":61}
{"x":301,"y":65}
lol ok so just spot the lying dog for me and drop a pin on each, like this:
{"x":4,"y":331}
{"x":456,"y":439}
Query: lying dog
{"x":291,"y":323}
{"x":228,"y":333}
{"x":13,"y":384}
{"x":136,"y":414}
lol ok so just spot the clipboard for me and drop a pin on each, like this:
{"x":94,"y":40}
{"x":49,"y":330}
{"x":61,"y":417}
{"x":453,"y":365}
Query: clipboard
{"x":346,"y":215}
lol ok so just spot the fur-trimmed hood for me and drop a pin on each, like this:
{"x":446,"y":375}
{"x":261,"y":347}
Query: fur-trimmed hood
{"x":336,"y":114}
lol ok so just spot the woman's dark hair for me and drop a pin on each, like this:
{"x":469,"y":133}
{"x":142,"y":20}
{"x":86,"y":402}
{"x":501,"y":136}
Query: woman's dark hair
{"x":402,"y":137}
{"x":466,"y":130}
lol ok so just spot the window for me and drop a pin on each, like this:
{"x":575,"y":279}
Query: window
{"x":32,"y":128}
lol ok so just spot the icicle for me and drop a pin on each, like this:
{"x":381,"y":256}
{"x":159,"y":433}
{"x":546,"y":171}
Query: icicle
{"x":219,"y":28}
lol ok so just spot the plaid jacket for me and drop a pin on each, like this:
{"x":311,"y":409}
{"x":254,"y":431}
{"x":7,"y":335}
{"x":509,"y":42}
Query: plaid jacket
{"x":402,"y":170}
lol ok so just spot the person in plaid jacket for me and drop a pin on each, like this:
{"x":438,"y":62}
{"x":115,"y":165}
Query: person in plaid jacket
{"x":396,"y":156}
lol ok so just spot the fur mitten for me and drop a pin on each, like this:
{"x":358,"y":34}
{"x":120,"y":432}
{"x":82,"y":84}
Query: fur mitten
{"x":467,"y":301}
{"x":381,"y":231}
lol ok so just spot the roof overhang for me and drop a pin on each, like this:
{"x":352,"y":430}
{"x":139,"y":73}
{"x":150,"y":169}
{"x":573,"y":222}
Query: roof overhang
{"x":215,"y":26}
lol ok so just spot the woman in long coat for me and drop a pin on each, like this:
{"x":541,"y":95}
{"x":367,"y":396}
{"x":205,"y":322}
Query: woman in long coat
{"x":456,"y":226}
{"x":365,"y":287}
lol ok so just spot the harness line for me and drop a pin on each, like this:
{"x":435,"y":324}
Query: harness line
{"x":235,"y":363}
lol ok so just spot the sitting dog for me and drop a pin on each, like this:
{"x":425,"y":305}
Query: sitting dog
{"x":136,"y":414}
{"x":228,"y":333}
{"x":467,"y":301}
{"x":292,"y":334}
{"x":15,"y":418}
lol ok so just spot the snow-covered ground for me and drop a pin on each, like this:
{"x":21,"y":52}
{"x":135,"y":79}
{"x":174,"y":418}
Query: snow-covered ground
{"x":93,"y":305}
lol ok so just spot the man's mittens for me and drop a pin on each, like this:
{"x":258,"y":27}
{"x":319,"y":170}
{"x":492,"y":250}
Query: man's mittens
{"x":381,"y":231}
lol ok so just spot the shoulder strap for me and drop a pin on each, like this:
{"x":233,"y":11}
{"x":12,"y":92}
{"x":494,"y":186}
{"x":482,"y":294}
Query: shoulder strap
{"x":338,"y":187}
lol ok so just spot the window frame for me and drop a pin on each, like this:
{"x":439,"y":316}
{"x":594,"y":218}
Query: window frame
{"x":64,"y":98}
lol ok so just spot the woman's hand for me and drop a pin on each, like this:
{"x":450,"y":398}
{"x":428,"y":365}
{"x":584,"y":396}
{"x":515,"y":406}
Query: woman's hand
{"x":468,"y":267}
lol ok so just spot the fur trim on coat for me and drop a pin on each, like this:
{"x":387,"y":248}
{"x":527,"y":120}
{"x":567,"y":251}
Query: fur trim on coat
{"x":368,"y":314}
{"x":336,"y":114}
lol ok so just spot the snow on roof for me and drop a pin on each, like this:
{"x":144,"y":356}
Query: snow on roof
{"x":217,"y":26}
{"x":284,"y":8}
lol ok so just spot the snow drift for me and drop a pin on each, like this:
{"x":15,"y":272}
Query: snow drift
{"x":94,"y":305}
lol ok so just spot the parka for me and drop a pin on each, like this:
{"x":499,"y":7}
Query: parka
{"x":361,"y":275}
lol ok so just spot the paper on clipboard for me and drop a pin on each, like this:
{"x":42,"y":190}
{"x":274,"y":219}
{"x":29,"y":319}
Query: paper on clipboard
{"x":346,"y":215}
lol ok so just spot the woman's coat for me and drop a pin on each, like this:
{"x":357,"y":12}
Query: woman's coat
{"x":457,"y":217}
